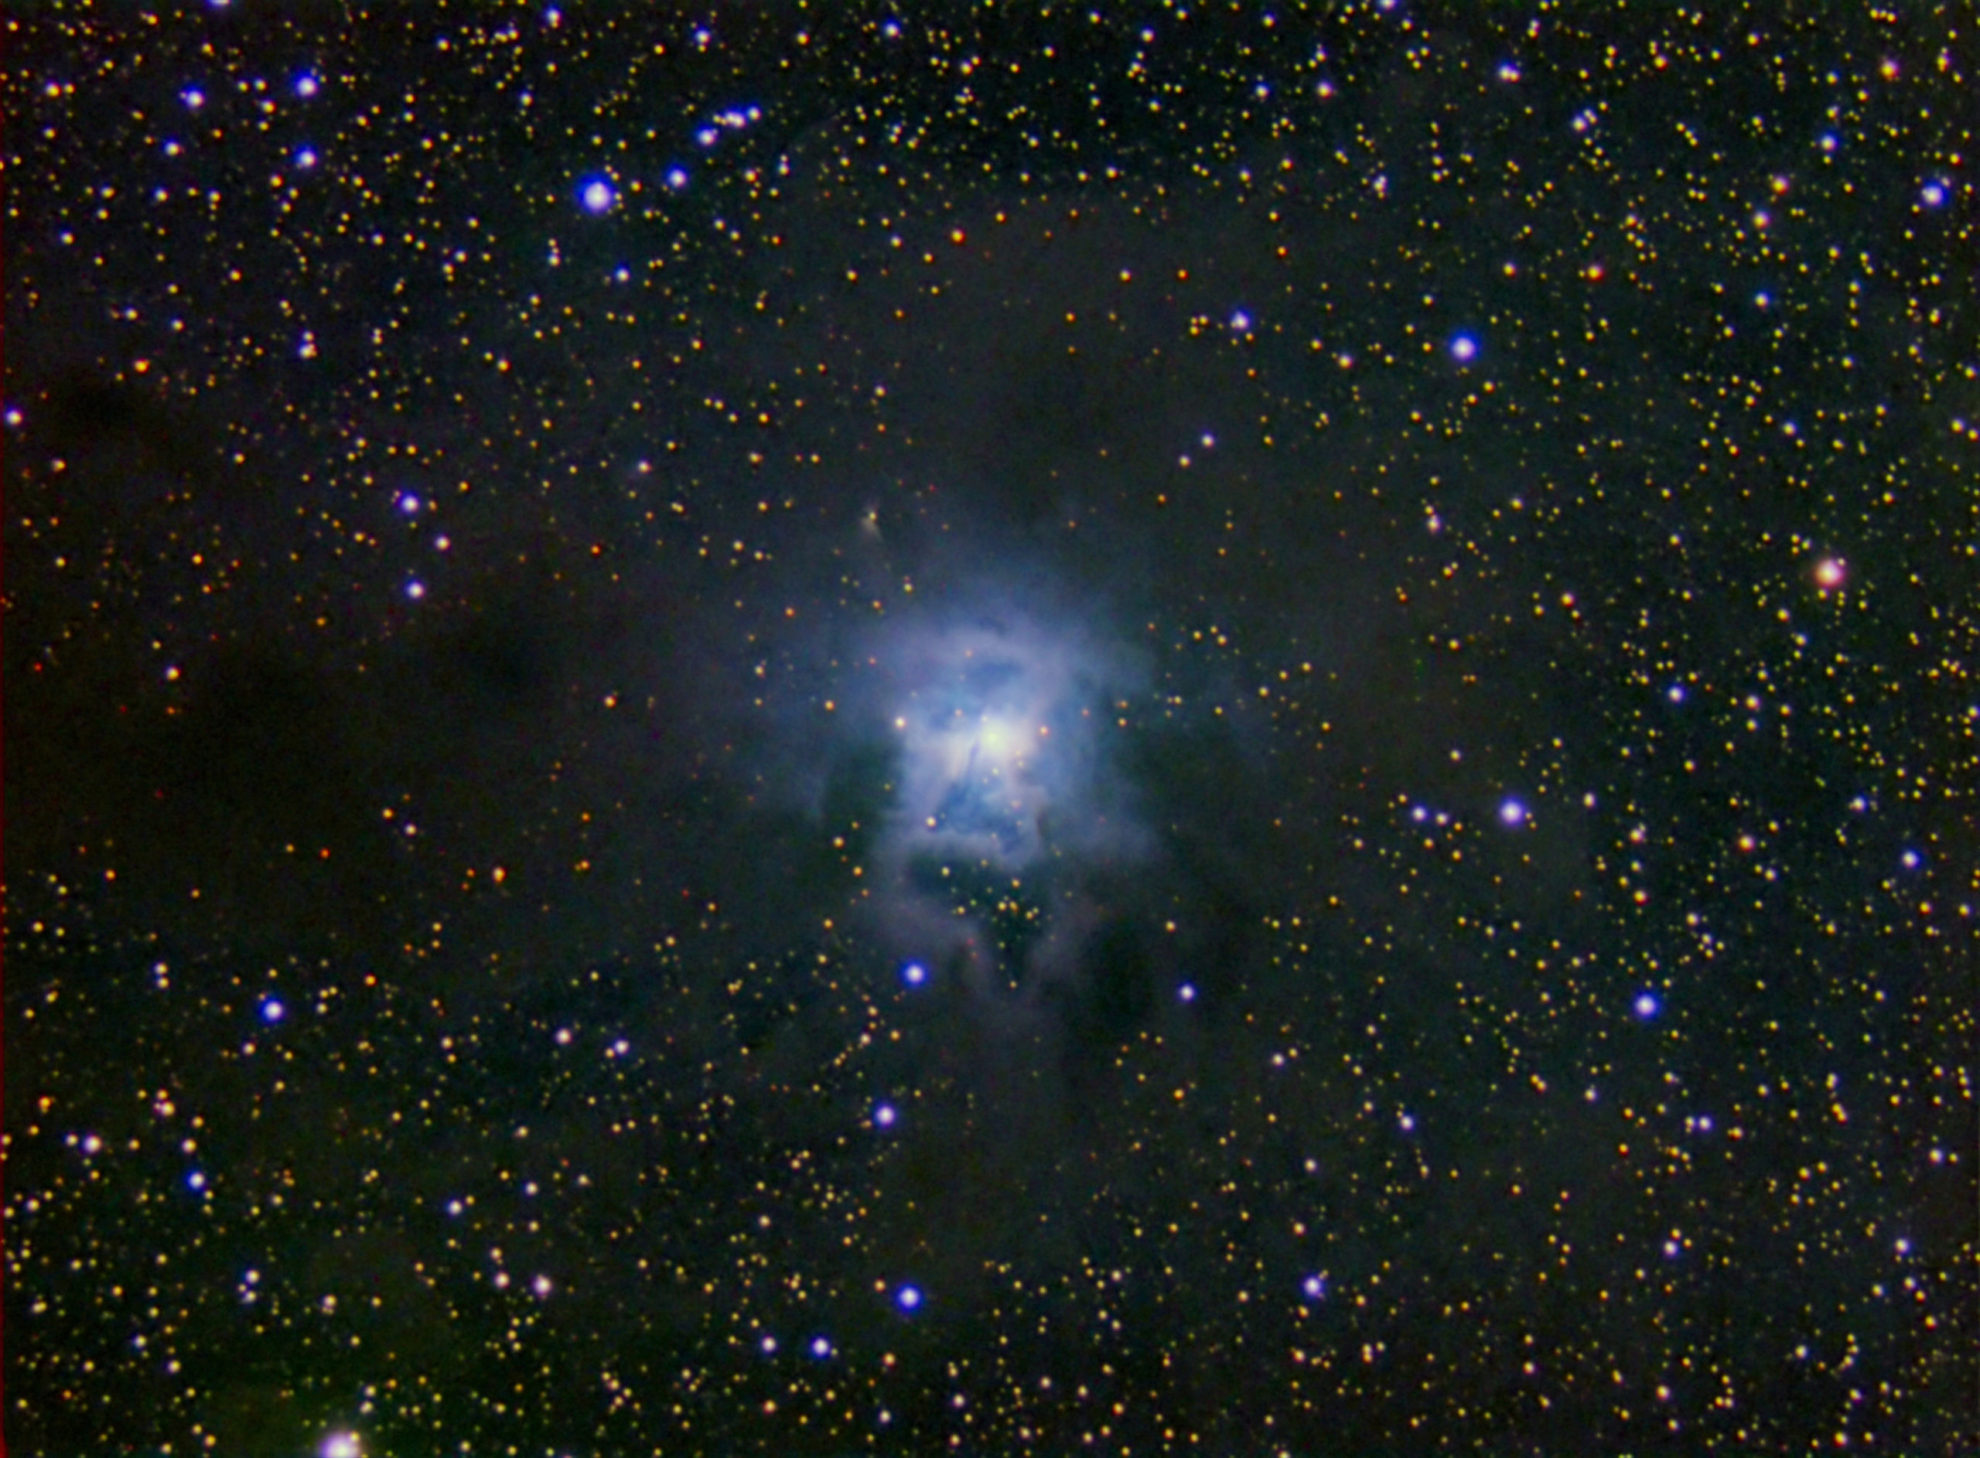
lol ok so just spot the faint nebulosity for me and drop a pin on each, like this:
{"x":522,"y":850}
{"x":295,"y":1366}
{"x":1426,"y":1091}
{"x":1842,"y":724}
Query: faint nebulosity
{"x":814,"y":729}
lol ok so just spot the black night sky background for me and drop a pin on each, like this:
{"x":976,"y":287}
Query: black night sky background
{"x":993,"y":729}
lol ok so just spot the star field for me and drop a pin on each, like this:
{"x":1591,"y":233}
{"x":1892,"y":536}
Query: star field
{"x":1123,"y":728}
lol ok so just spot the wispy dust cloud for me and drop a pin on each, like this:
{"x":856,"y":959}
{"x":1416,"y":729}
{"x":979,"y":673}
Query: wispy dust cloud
{"x":1002,"y":754}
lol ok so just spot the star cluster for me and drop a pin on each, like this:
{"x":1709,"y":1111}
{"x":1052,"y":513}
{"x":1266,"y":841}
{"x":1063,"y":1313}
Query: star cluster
{"x":1147,"y":728}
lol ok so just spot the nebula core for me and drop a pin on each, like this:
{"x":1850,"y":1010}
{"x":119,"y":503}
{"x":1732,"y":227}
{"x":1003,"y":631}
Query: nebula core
{"x":1010,"y":800}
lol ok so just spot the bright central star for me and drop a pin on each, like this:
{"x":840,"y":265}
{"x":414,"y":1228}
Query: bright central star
{"x":993,"y":745}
